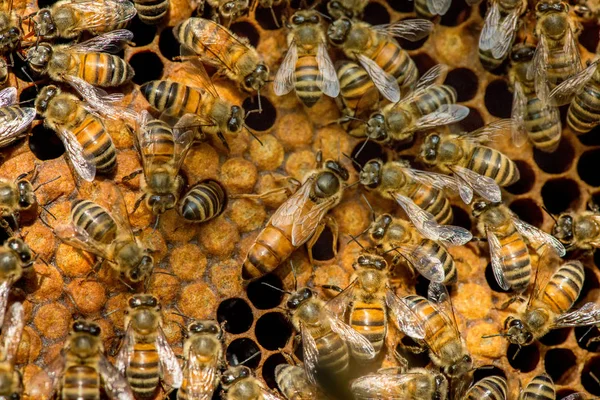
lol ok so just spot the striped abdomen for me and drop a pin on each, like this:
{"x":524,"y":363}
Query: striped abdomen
{"x":151,"y":12}
{"x":440,"y":253}
{"x":357,"y":90}
{"x":395,"y":61}
{"x":95,"y":220}
{"x":175,"y":97}
{"x":431,"y":99}
{"x":333,"y":352}
{"x":203,"y":202}
{"x":543,"y":125}
{"x":489,"y":388}
{"x":96,"y":142}
{"x":432,"y":200}
{"x":564,"y":287}
{"x":272,"y":246}
{"x":540,"y":387}
{"x":493,"y":164}
{"x":293,"y":384}
{"x":488,"y":61}
{"x":80,"y":382}
{"x":559,"y":67}
{"x":159,"y":147}
{"x":516,"y":260}
{"x":370,"y":320}
{"x":306,"y":77}
{"x":143,"y":370}
{"x":584,"y":111}
{"x":100,"y":69}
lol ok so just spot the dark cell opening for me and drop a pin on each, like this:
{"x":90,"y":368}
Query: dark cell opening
{"x":302,"y":4}
{"x":457,"y":14}
{"x":22,"y":70}
{"x":28,"y":95}
{"x":241,"y":350}
{"x":560,"y":195}
{"x":589,"y":283}
{"x":558,"y":161}
{"x":472,"y":122}
{"x":143,"y":34}
{"x":528,"y":211}
{"x":323,"y":249}
{"x":487,"y":370}
{"x":588,"y":167}
{"x":421,"y":285}
{"x":589,"y":376}
{"x":401,"y":6}
{"x":168,"y":45}
{"x":461,"y":218}
{"x":44,"y":143}
{"x":558,"y":362}
{"x":409,"y":45}
{"x":262,"y":296}
{"x":555,"y":337}
{"x":370,"y":151}
{"x":589,"y":37}
{"x":268,"y":369}
{"x":246,"y":30}
{"x":46,"y":3}
{"x":259,"y":121}
{"x":498,"y":99}
{"x":424,"y":62}
{"x":491,"y":280}
{"x":236,"y":314}
{"x":270,"y":19}
{"x":464,"y":81}
{"x":586,"y":338}
{"x":483,"y":9}
{"x":524,"y":358}
{"x":592,"y":138}
{"x":415,"y":360}
{"x":376,"y":14}
{"x":526,"y":179}
{"x":273,"y":331}
{"x":147,"y":67}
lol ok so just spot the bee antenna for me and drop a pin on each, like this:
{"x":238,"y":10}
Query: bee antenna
{"x":275,"y":287}
{"x":594,"y":377}
{"x":259,"y":101}
{"x":156,"y":223}
{"x":327,"y":17}
{"x":393,"y":249}
{"x":355,"y":239}
{"x":234,"y":357}
{"x":362,"y":147}
{"x":252,"y":134}
{"x":494,"y":335}
{"x":352,"y":184}
{"x":517,"y":352}
{"x":181,"y":315}
{"x":47,"y":182}
{"x":294,"y":274}
{"x":586,"y":333}
{"x":353,"y":161}
{"x":549,"y":213}
{"x":370,"y":207}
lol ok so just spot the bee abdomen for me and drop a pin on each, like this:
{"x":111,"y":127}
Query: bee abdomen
{"x":333,"y":353}
{"x":355,"y":83}
{"x":142,"y":371}
{"x":439,"y":252}
{"x":369,"y":319}
{"x":564,"y":287}
{"x":151,"y":12}
{"x":584,"y":111}
{"x":489,"y":388}
{"x":101,"y":69}
{"x":168,"y":95}
{"x":396,"y":62}
{"x":434,"y":201}
{"x":543,"y":125}
{"x":203,"y":202}
{"x":271,"y":248}
{"x":493,"y":164}
{"x":517,"y":262}
{"x":422,"y":9}
{"x":306,"y":77}
{"x":540,"y":387}
{"x":488,"y":61}
{"x":95,"y":141}
{"x":439,"y":333}
{"x":160,"y":145}
{"x":94,"y":220}
{"x":81,"y":383}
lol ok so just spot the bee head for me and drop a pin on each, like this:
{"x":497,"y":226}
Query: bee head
{"x":207,"y":326}
{"x":81,"y":326}
{"x":10,"y":38}
{"x":338,"y":30}
{"x":26,"y":194}
{"x":516,"y":332}
{"x":337,"y":10}
{"x":159,"y":203}
{"x":377,"y":127}
{"x":236,"y":119}
{"x":460,"y":367}
{"x":298,"y":298}
{"x":563,"y":229}
{"x":142,"y":300}
{"x":39,"y":56}
{"x":257,"y":79}
{"x":302,"y":17}
{"x":145,"y":312}
{"x":231,"y":8}
{"x":142,"y":269}
{"x":522,"y":53}
{"x":18,"y":246}
{"x":44,"y":24}
{"x":84,"y":338}
{"x":234,"y":374}
{"x":42,"y":101}
{"x":430,"y":148}
{"x":372,"y":261}
{"x":544,"y":7}
{"x":370,"y":175}
{"x":380,"y":226}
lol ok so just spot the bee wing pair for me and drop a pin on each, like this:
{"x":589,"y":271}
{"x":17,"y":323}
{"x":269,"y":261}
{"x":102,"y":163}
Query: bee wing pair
{"x":382,"y":385}
{"x":12,"y":128}
{"x":200,"y":376}
{"x":498,"y":33}
{"x":563,"y":93}
{"x":95,"y":15}
{"x":517,"y":114}
{"x":11,"y":332}
{"x":441,"y":182}
{"x":438,"y":7}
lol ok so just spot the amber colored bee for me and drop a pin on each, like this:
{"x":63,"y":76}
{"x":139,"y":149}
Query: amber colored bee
{"x":549,"y":308}
{"x":203,"y":353}
{"x":239,"y":384}
{"x":375,"y":48}
{"x":346,"y":8}
{"x":202,"y":202}
{"x":294,"y":385}
{"x":108,"y":235}
{"x":218,"y":46}
{"x":299,"y":220}
{"x":81,"y":371}
{"x":17,"y":198}
{"x":15,"y":258}
{"x":87,"y":60}
{"x":70,"y":18}
{"x":15,"y":119}
{"x":151,"y":12}
{"x":389,"y":384}
{"x":579,"y":230}
{"x":509,"y":255}
{"x":540,"y":387}
{"x":307,"y":66}
{"x":145,"y":357}
{"x":358,"y":95}
{"x":489,"y":388}
{"x":11,"y":384}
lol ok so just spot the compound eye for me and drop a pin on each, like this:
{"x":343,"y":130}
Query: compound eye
{"x":297,"y":19}
{"x":314,"y":19}
{"x":228,"y":378}
{"x":244,"y":373}
{"x":95,"y":330}
{"x":152,"y":302}
{"x":248,"y":81}
{"x":78,"y":326}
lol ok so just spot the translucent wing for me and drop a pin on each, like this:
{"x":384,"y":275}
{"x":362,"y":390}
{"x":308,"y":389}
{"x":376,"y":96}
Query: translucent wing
{"x":99,"y":101}
{"x":110,"y":42}
{"x":354,"y":339}
{"x":12,"y":128}
{"x":538,"y":71}
{"x":589,"y":314}
{"x":112,"y":195}
{"x":381,"y":386}
{"x":77,"y":237}
{"x":405,"y":318}
{"x":44,"y":383}
{"x":385,"y":83}
{"x":293,"y":205}
{"x":338,"y":305}
{"x":482,"y":185}
{"x":11,"y":332}
{"x":442,"y":182}
{"x":489,"y":132}
{"x":126,"y":351}
{"x":330,"y":85}
{"x":438,"y":7}
{"x":537,"y":237}
{"x":184,"y":133}
{"x":284,"y":79}
{"x":96,"y":13}
{"x":409,"y":29}
{"x":572,"y":50}
{"x":82,"y":161}
{"x":310,"y":355}
{"x":8,"y":96}
{"x":197,"y":75}
{"x":564,"y":92}
{"x":201,"y":376}
{"x":267,"y":395}
{"x":4,"y":291}
{"x":497,"y":260}
{"x":431,"y":76}
{"x":428,"y":265}
{"x":518,"y":113}
{"x":439,"y":296}
{"x":506,"y":35}
{"x":446,"y":114}
{"x":489,"y":32}
{"x":115,"y":384}
{"x":169,"y":366}
{"x":304,"y":225}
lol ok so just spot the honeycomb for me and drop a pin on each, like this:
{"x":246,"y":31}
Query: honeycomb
{"x":200,"y":264}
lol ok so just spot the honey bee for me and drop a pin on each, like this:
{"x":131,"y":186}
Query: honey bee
{"x":10,"y":379}
{"x":482,"y":168}
{"x":540,"y":387}
{"x":300,"y":219}
{"x":579,"y":230}
{"x":68,"y":19}
{"x":388,"y":384}
{"x":87,"y":60}
{"x":239,"y":384}
{"x":81,"y":370}
{"x":549,"y":308}
{"x":107,"y":234}
{"x":307,"y":66}
{"x":358,"y":95}
{"x":293,"y":384}
{"x":532,"y":118}
{"x":145,"y":357}
{"x":14,"y":120}
{"x":202,"y":202}
{"x":584,"y":111}
{"x":151,"y":12}
{"x":505,"y":234}
{"x":420,"y":194}
{"x":430,"y":258}
{"x":346,"y":8}
{"x":376,"y":50}
{"x":432,"y":8}
{"x":15,"y":258}
{"x":499,"y":31}
{"x":218,"y":46}
{"x":428,"y":106}
{"x":489,"y":388}
{"x":203,"y":353}
{"x":10,"y":39}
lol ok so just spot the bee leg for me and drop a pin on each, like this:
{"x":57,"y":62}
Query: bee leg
{"x":333,"y":227}
{"x":131,"y":176}
{"x":508,"y":302}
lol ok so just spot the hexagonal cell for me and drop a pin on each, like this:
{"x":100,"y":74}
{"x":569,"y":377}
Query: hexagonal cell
{"x":487,"y":370}
{"x":147,"y":66}
{"x":526,"y":180}
{"x":464,"y":81}
{"x":268,"y":369}
{"x":247,"y":30}
{"x":243,"y":351}
{"x":236,"y":314}
{"x":270,"y":18}
{"x":273,"y":330}
{"x":528,"y":211}
{"x":497,"y":98}
{"x":259,"y":121}
{"x":424,"y":62}
{"x":263,"y":297}
{"x":461,"y":218}
{"x":472,"y":122}
{"x":560,"y":195}
{"x":558,"y":363}
{"x":168,"y":45}
{"x":143,"y":34}
{"x":457,"y":14}
{"x":557,"y":162}
{"x":589,"y":37}
{"x":588,"y":166}
{"x":590,"y":374}
{"x":45,"y":144}
{"x":366,"y":151}
{"x":525,"y":358}
{"x":415,"y":360}
{"x":592,"y":138}
{"x":376,"y":14}
{"x":555,"y":337}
